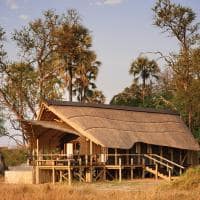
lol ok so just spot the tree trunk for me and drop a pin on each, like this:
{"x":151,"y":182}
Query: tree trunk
{"x":70,"y":82}
{"x":143,"y":90}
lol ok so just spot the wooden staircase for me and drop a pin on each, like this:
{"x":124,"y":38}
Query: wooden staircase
{"x":156,"y":173}
{"x":165,"y":163}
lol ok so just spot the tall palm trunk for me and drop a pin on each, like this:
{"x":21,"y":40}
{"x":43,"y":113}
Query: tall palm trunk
{"x":70,"y":82}
{"x":143,"y":89}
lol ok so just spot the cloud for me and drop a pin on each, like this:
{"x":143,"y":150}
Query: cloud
{"x":12,"y":4}
{"x":23,"y":17}
{"x":112,"y":2}
{"x":106,"y":2}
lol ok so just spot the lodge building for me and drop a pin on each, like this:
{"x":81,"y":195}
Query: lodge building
{"x":91,"y":142}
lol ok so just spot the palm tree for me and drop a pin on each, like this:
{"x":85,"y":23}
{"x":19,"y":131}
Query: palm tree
{"x":145,"y":69}
{"x":86,"y":74}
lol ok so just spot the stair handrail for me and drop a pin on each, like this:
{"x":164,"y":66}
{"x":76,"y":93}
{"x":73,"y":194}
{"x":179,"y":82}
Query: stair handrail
{"x":158,"y":161}
{"x":169,"y":161}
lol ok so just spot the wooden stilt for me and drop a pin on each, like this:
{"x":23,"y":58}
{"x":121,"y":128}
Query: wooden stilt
{"x":143,"y":168}
{"x":61,"y":174}
{"x":104,"y":173}
{"x":53,"y":175}
{"x":156,"y":171}
{"x":120,"y":170}
{"x":115,"y":156}
{"x":37,"y":172}
{"x":127,"y":157}
{"x":131,"y":168}
{"x":69,"y":173}
{"x":37,"y":163}
{"x":170,"y":174}
{"x":80,"y":170}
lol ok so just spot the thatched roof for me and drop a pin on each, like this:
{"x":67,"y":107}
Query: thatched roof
{"x":122,"y":127}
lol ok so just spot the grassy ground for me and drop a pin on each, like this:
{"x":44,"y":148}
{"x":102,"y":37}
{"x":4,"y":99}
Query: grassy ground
{"x":187,"y":187}
{"x":91,"y":192}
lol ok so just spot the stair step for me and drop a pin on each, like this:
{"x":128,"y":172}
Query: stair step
{"x":153,"y":171}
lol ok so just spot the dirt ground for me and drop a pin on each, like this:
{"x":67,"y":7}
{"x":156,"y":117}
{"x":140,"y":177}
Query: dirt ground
{"x":137,"y":185}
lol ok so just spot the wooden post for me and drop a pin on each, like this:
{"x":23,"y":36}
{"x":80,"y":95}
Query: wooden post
{"x":161,"y":151}
{"x":53,"y":175}
{"x":86,"y":159}
{"x":172,"y":155}
{"x":131,"y":168}
{"x":127,"y":157}
{"x":120,"y":170}
{"x":69,"y":173}
{"x":104,"y":173}
{"x":156,"y":171}
{"x":37,"y":173}
{"x":143,"y":168}
{"x":138,"y":151}
{"x":91,"y":151}
{"x":170,"y":174}
{"x":80,"y":169}
{"x":37,"y":149}
{"x":61,"y":174}
{"x":115,"y":156}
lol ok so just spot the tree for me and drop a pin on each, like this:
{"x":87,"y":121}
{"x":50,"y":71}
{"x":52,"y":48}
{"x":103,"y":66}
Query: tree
{"x":130,"y":96}
{"x":179,"y":22}
{"x":86,"y":74}
{"x":144,"y":69}
{"x":19,"y":93}
{"x":37,"y":44}
{"x":74,"y":42}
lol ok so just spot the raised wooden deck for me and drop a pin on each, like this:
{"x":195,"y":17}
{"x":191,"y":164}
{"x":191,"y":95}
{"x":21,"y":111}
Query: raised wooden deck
{"x":88,"y":168}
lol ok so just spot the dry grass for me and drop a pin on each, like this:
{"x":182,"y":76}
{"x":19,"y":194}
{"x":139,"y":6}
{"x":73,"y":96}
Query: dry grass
{"x":90,"y":192}
{"x":187,"y":187}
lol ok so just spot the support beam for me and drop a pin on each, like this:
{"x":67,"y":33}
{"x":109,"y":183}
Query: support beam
{"x":53,"y":175}
{"x":115,"y":156}
{"x":69,"y":173}
{"x":37,"y":173}
{"x":131,"y":168}
{"x":156,"y":171}
{"x":91,"y":151}
{"x":120,"y":170}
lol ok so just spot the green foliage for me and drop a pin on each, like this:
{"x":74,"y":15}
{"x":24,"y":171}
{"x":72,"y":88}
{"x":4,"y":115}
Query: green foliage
{"x":14,"y":157}
{"x":176,"y":20}
{"x":56,"y":58}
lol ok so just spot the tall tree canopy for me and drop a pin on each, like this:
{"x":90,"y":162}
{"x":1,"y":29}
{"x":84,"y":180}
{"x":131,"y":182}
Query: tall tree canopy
{"x":144,"y":69}
{"x":56,"y":57}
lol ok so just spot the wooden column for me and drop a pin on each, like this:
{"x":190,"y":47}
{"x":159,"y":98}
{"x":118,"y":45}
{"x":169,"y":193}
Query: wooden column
{"x":53,"y":175}
{"x":37,"y":173}
{"x":120,"y":170}
{"x":156,"y":171}
{"x":115,"y":162}
{"x":131,"y":168}
{"x":69,"y":173}
{"x":161,"y":151}
{"x":138,"y":151}
{"x":80,"y":169}
{"x":61,"y":174}
{"x":115,"y":156}
{"x":91,"y":151}
{"x":172,"y":155}
{"x":127,"y":157}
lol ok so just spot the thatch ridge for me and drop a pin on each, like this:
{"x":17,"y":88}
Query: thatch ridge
{"x":108,"y":106}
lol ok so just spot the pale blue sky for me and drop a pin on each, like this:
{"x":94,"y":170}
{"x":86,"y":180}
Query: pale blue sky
{"x":121,"y":30}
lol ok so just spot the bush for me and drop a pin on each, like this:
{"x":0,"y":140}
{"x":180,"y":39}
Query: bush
{"x":14,"y":157}
{"x":189,"y":180}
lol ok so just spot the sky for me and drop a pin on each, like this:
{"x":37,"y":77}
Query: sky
{"x":121,"y":31}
